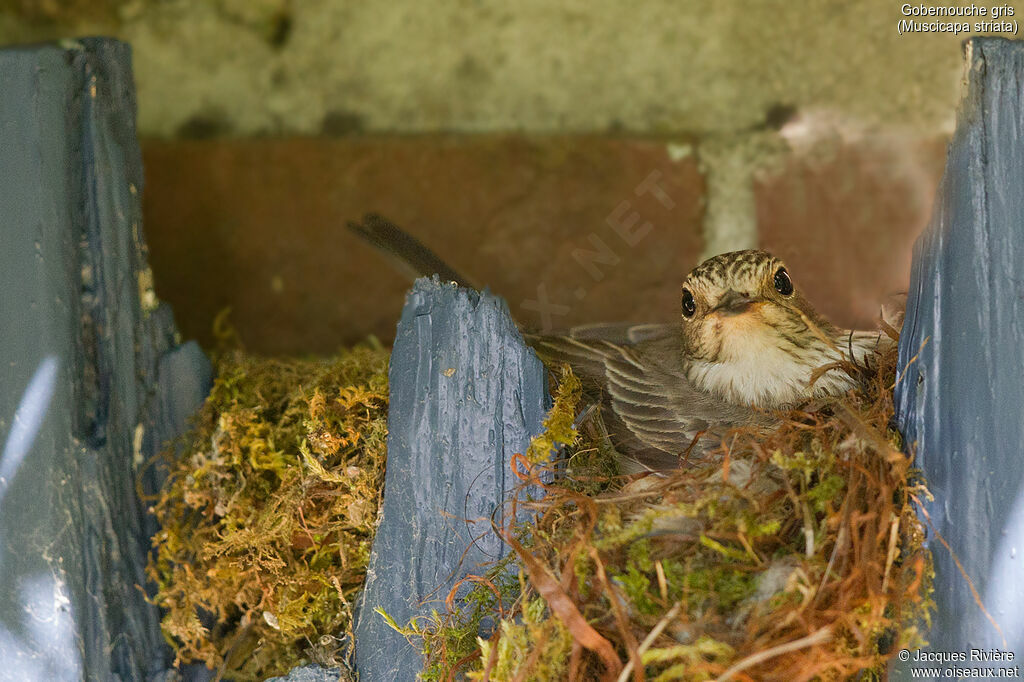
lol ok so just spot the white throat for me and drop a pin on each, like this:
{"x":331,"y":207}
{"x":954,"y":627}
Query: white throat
{"x":753,"y":370}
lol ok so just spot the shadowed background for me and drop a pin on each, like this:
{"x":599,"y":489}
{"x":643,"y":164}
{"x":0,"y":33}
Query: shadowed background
{"x":520,"y":141}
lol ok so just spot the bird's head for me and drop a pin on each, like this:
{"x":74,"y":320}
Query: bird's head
{"x":751,"y":337}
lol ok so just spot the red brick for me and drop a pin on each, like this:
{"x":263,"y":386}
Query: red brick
{"x":845,"y":220}
{"x":257,"y":225}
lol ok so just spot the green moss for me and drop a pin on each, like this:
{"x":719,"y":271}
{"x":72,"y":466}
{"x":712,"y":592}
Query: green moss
{"x":538,"y":646}
{"x":636,"y":585}
{"x":558,"y":425}
{"x":268,"y":514}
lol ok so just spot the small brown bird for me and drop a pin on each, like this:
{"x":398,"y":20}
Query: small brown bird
{"x":747,"y":343}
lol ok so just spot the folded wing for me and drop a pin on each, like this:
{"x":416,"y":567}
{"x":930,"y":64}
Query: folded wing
{"x":651,"y":411}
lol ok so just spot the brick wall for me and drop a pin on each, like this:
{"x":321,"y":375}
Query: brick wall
{"x":568,"y":229}
{"x":519,"y":140}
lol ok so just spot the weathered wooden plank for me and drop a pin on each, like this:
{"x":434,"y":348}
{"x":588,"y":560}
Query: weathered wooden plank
{"x":961,"y":394}
{"x":466,"y":394}
{"x":82,"y":343}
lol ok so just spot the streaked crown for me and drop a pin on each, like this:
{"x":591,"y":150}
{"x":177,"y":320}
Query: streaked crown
{"x":740,"y":271}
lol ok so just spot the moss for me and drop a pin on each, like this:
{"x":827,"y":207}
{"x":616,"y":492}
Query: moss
{"x":803,"y":534}
{"x":559,"y":430}
{"x":268,"y":514}
{"x":813,"y":541}
{"x":536,"y":643}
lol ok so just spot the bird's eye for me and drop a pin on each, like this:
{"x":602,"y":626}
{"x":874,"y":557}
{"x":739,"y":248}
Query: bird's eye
{"x":783,"y":284}
{"x":689,"y":306}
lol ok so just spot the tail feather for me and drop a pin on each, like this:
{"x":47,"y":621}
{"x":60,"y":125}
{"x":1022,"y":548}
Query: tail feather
{"x":409,"y":254}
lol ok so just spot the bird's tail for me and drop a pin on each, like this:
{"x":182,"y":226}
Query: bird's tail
{"x":410,"y":255}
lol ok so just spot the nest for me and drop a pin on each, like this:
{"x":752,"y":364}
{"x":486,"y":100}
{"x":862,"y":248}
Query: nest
{"x":269,"y":511}
{"x":794,"y":554}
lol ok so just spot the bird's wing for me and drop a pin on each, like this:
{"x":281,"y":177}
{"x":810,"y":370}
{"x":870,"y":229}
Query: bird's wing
{"x":647,"y":399}
{"x":651,"y":411}
{"x":622,"y":333}
{"x":586,"y":357}
{"x":586,"y":348}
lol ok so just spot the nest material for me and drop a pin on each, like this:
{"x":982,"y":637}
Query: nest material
{"x":796,"y":555}
{"x":268,"y":515}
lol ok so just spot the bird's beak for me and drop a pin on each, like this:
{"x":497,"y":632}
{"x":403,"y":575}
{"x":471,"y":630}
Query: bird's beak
{"x":734,"y":303}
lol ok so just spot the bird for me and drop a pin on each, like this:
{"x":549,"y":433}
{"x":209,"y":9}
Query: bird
{"x":746,"y":345}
